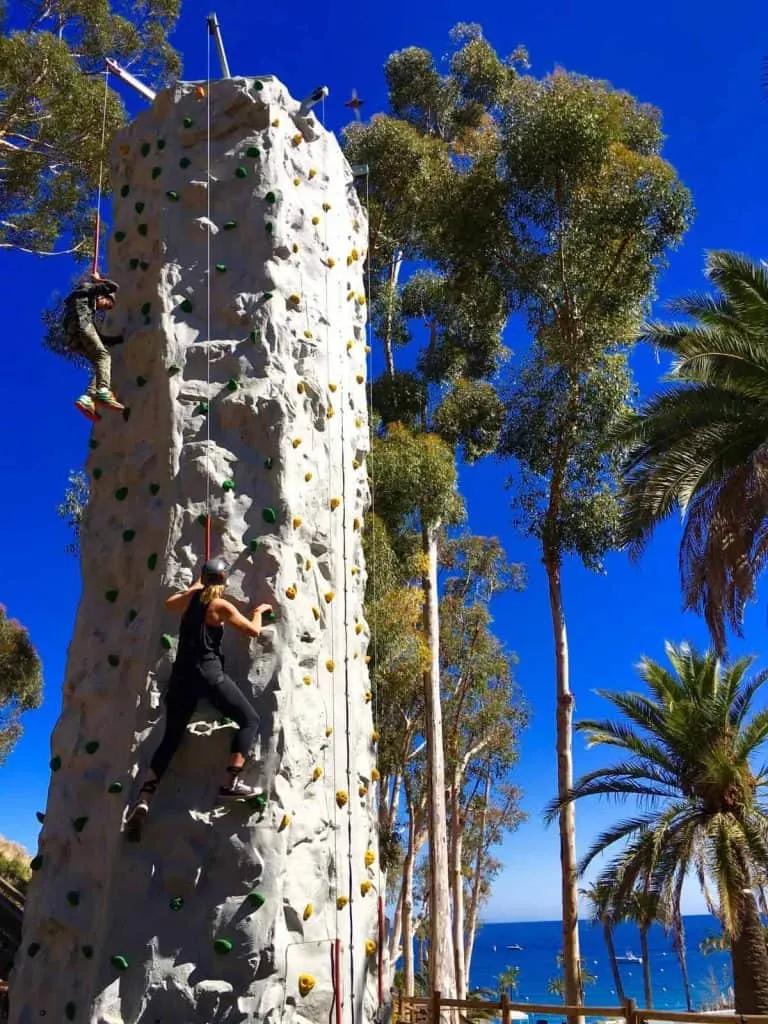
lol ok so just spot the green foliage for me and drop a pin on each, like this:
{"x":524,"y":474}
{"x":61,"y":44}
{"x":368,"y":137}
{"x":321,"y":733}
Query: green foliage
{"x":688,"y":746}
{"x":51,"y":109}
{"x":508,"y":979}
{"x":75,"y":506}
{"x":21,"y":680}
{"x":556,"y":985}
{"x":698,"y":447}
{"x":470,"y":417}
{"x":400,"y":398}
{"x":14,"y":865}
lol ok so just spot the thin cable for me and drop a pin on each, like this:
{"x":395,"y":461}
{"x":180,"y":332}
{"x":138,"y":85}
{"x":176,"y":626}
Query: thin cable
{"x":208,"y":313}
{"x":97,"y":235}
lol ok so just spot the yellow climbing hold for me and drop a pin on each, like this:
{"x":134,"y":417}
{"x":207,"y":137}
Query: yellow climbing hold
{"x":326,"y":207}
{"x":370,"y":947}
{"x":359,"y":628}
{"x":375,"y":774}
{"x":361,"y":300}
{"x":294,"y":299}
{"x":349,"y":345}
{"x":358,"y":422}
{"x":365,"y":887}
{"x":297,"y":181}
{"x":354,"y":570}
{"x":296,"y":522}
{"x":317,"y":773}
{"x":355,"y":464}
{"x":330,"y":664}
{"x":362,"y":790}
{"x":367,"y":658}
{"x":368,"y":349}
{"x":308,"y":334}
{"x":368,"y":696}
{"x":354,"y":255}
{"x":308,"y":563}
{"x":300,"y":387}
{"x":341,"y":902}
{"x":306,"y":984}
{"x":341,"y":798}
{"x":307,"y":680}
{"x":330,"y":263}
{"x":331,"y":412}
{"x":276,"y":123}
{"x":329,"y":596}
{"x":315,"y":220}
{"x":298,"y":138}
{"x":350,"y":296}
{"x":308,"y":911}
{"x":332,"y":387}
{"x":369,"y":858}
{"x":316,"y":612}
{"x":335,"y":502}
{"x":296,"y":442}
{"x":329,"y":730}
{"x":312,"y":173}
{"x":359,"y":378}
{"x":307,"y":477}
{"x":375,"y":736}
{"x":295,"y":247}
{"x":285,"y":821}
{"x":291,"y":593}
{"x":355,"y":524}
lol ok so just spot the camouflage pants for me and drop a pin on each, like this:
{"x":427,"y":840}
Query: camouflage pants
{"x":87,"y":342}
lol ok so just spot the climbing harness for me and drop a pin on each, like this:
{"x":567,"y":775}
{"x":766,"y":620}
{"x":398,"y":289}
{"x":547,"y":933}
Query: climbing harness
{"x":97,"y":229}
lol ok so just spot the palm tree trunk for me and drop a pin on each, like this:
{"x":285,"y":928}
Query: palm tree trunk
{"x":646,"y":967}
{"x":749,"y":959}
{"x":442,"y":976}
{"x":567,"y":815}
{"x":608,"y":936}
{"x":410,"y":856}
{"x":679,"y":943}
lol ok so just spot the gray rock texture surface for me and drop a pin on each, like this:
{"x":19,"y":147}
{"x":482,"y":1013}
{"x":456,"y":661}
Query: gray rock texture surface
{"x":242,"y":302}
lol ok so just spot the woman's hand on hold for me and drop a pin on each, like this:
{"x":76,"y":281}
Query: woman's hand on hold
{"x":262,"y":609}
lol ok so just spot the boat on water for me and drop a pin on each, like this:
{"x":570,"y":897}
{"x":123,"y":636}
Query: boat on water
{"x":629,"y":958}
{"x":514,"y":946}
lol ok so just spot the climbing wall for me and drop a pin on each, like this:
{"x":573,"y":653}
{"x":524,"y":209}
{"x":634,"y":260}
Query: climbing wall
{"x":248,"y":409}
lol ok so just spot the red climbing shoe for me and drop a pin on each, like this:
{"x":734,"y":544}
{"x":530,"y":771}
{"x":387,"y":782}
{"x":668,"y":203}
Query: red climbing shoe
{"x":106,"y":397}
{"x":239,"y":790}
{"x":86,"y":406}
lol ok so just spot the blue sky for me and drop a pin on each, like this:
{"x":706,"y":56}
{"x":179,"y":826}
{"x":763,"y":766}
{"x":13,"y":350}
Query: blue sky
{"x":701,"y":64}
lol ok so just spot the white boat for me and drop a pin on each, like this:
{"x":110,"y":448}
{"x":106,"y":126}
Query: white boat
{"x":514,"y":946}
{"x":629,"y":958}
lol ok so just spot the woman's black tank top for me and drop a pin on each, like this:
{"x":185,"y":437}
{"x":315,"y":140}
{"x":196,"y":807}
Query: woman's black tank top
{"x":197,"y":640}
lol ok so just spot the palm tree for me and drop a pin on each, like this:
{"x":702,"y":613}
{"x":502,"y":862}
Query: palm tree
{"x":700,"y":447}
{"x":601,"y":910}
{"x":688,"y":747}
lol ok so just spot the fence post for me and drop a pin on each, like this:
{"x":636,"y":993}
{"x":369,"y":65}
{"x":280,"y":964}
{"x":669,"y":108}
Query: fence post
{"x":631,"y":1011}
{"x":505,"y":1013}
{"x":435,"y":1008}
{"x":400,"y":1006}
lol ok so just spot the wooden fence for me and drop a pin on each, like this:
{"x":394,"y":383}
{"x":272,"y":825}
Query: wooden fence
{"x":430,"y":1009}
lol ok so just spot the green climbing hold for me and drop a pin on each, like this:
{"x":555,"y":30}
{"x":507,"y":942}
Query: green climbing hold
{"x":232,"y":384}
{"x":141,"y":381}
{"x":172,"y":195}
{"x":166,"y":641}
{"x":145,"y":148}
{"x":125,"y":190}
{"x":69,"y":1011}
{"x":222,"y":946}
{"x":152,"y":561}
{"x":73,"y":898}
{"x":187,"y":305}
{"x":270,"y":227}
{"x":111,"y":596}
{"x":229,"y":225}
{"x":143,"y":229}
{"x":255,"y":544}
{"x":269,"y":515}
{"x":96,"y":473}
{"x":144,"y":265}
{"x":126,"y":410}
{"x":256,"y":899}
{"x":156,"y":172}
{"x":55,"y":763}
{"x":154,"y":488}
{"x":79,"y":823}
{"x":36,"y":863}
{"x":184,"y":162}
{"x":128,"y":535}
{"x":270,"y":197}
{"x":40,"y":816}
{"x":92,"y":746}
{"x":188,"y":122}
{"x":221,"y":267}
{"x":258,"y":803}
{"x":269,"y":462}
{"x":255,"y":334}
{"x":253,"y":151}
{"x":258,"y":86}
{"x":228,"y":485}
{"x":202,"y":407}
{"x":270,"y":617}
{"x":119,"y":236}
{"x":120,"y":962}
{"x":133,"y":263}
{"x":115,"y":787}
{"x":138,"y":207}
{"x":267,"y":296}
{"x":87,"y":952}
{"x":241,"y":172}
{"x":202,"y":519}
{"x":93,"y":444}
{"x":173,"y":370}
{"x":132,"y":614}
{"x":33,"y":949}
{"x":113,"y":660}
{"x":121,"y":493}
{"x":160,"y":143}
{"x":146,"y":308}
{"x":176,"y":902}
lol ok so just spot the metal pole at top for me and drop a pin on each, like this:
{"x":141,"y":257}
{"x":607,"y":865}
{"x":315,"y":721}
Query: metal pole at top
{"x":213,"y":28}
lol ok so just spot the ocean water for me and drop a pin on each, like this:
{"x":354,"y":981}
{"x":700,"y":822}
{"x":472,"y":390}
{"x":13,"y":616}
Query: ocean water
{"x":541,"y":941}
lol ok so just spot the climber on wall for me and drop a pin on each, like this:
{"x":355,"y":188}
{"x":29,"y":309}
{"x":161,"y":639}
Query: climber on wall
{"x":198,"y":671}
{"x":83,"y":337}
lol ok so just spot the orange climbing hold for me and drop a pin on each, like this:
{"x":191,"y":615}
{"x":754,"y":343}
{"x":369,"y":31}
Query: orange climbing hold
{"x":329,"y":596}
{"x":375,"y":774}
{"x":368,"y":696}
{"x":341,"y":902}
{"x":290,"y":593}
{"x":370,"y":947}
{"x":200,"y":92}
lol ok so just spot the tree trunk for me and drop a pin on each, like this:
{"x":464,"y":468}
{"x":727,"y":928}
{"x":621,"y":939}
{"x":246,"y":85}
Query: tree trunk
{"x":396,"y":931}
{"x":679,"y":943}
{"x":474,"y":901}
{"x":646,"y":967}
{"x":410,"y":855}
{"x":394,"y":274}
{"x":567,"y":816}
{"x":441,"y":966}
{"x":457,"y":890}
{"x":749,"y":958}
{"x":608,"y":936}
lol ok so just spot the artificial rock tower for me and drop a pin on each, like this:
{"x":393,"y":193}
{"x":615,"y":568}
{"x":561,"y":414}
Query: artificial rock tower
{"x":238,"y":244}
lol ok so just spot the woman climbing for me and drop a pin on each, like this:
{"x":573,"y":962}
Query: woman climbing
{"x":198,"y":671}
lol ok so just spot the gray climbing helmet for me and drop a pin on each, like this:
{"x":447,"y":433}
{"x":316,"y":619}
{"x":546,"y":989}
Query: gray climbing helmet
{"x":214,"y":571}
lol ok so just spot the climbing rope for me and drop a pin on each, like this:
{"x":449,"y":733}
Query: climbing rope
{"x":97,"y":229}
{"x":208,"y":310}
